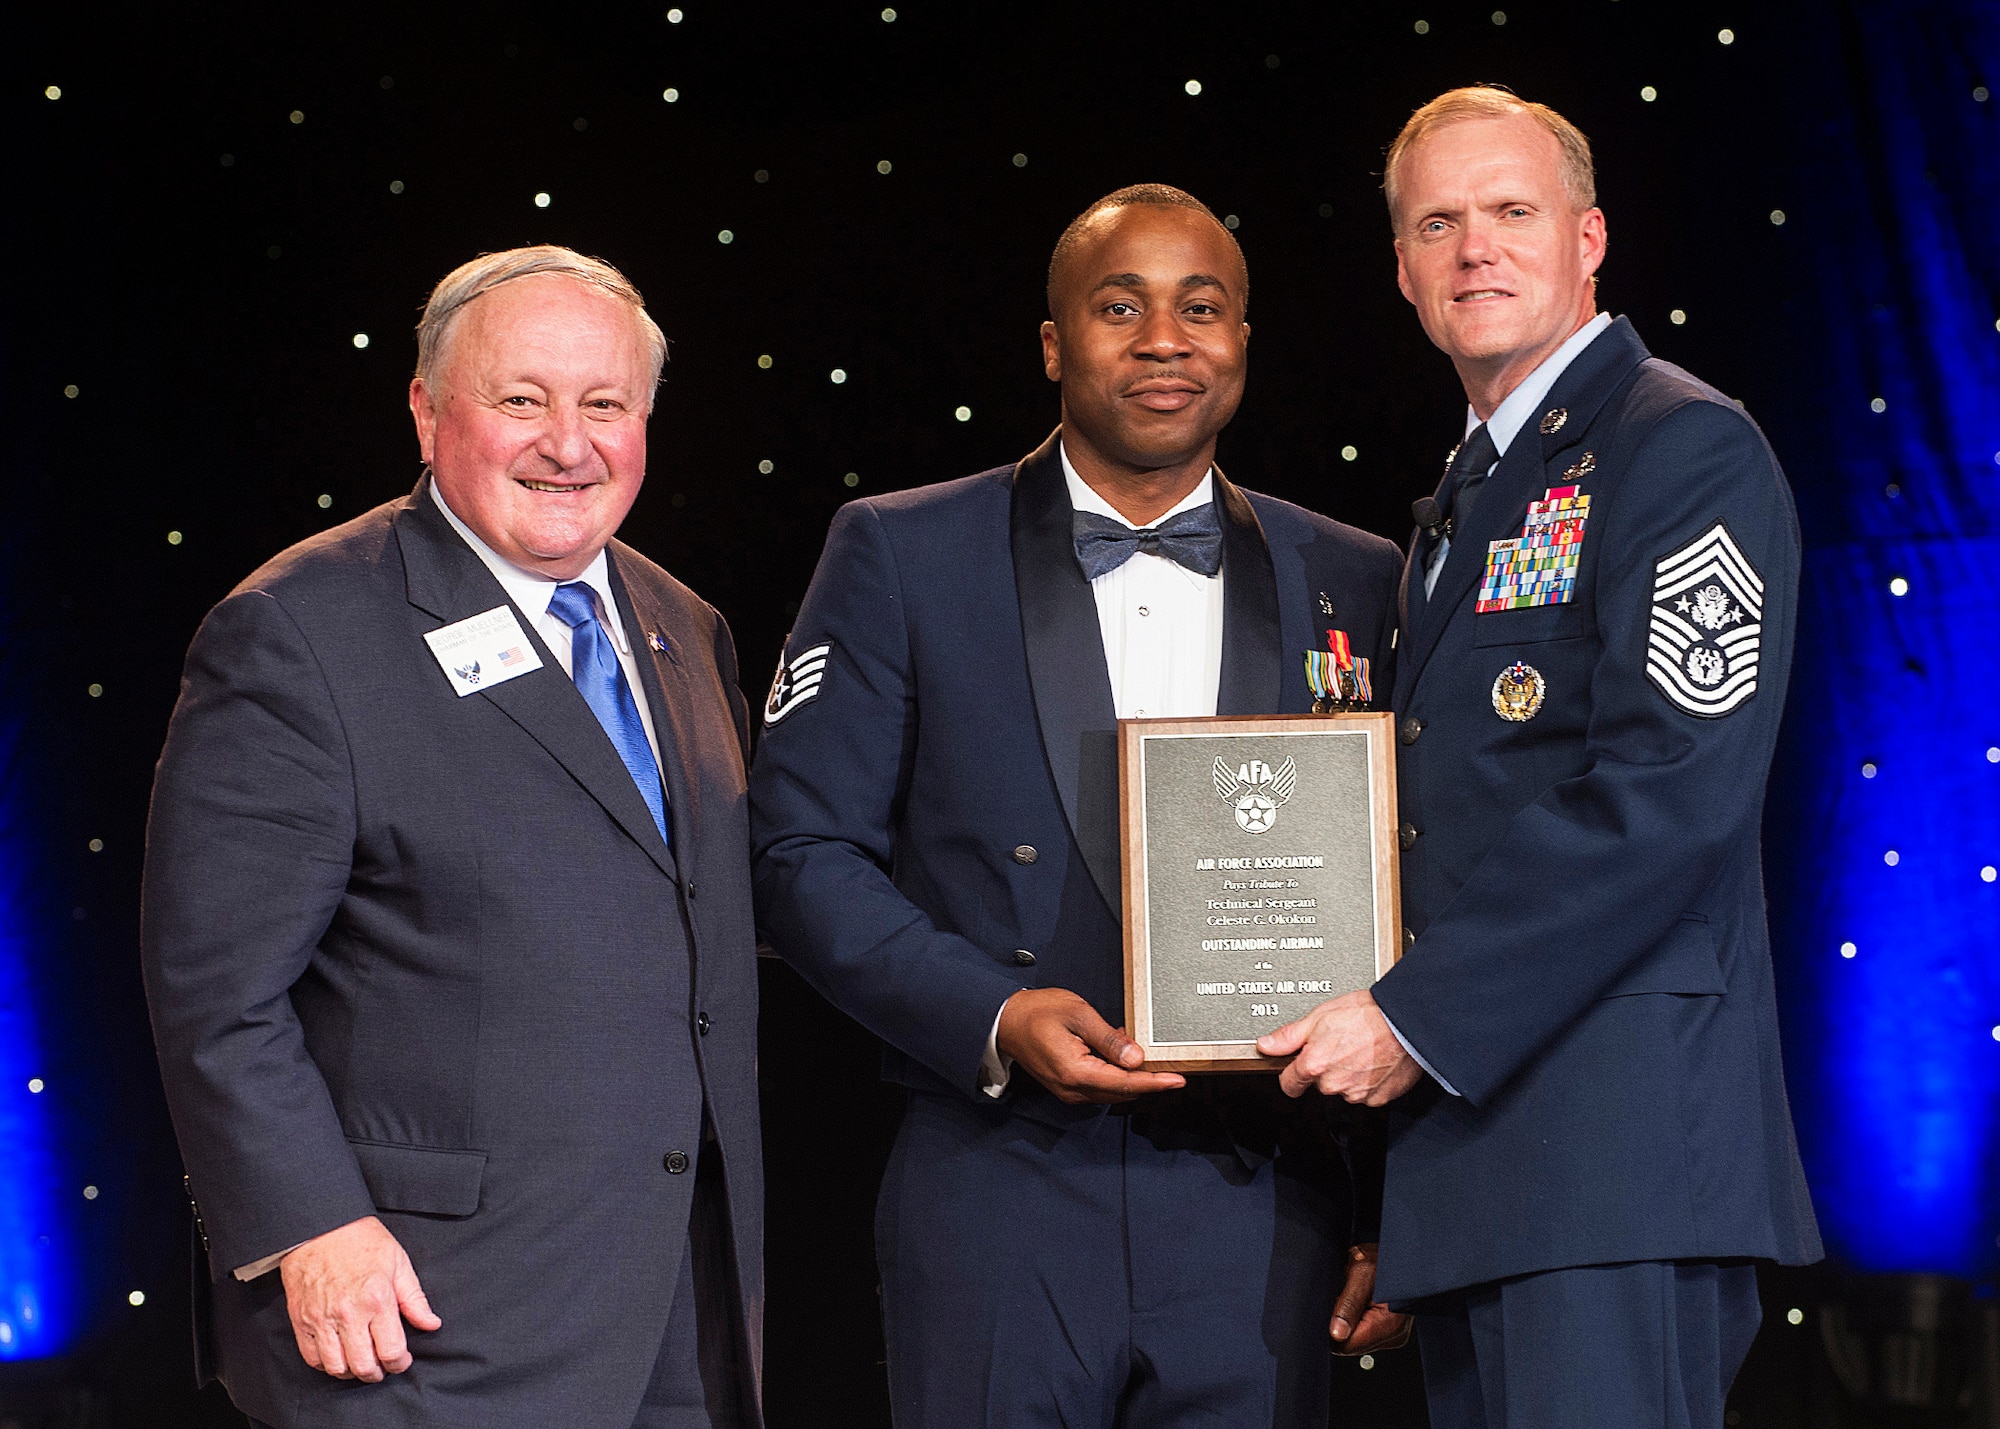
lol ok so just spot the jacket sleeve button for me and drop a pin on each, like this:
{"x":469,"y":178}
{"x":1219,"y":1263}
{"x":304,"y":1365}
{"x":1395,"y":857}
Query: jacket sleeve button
{"x":1025,"y":958}
{"x":675,"y":1162}
{"x":1025,"y":853}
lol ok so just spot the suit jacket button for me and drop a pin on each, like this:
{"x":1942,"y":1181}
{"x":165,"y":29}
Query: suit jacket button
{"x":701,"y":1023}
{"x":1412,"y":727}
{"x":1409,"y":939}
{"x":690,"y":889}
{"x":1407,"y":836}
{"x":1025,"y":853}
{"x":1025,"y":958}
{"x":675,"y":1162}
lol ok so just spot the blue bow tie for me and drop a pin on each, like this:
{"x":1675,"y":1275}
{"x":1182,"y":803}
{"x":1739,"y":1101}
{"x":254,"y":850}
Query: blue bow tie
{"x":1192,"y":539}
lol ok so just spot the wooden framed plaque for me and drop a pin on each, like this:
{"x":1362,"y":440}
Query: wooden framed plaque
{"x":1261,"y":877}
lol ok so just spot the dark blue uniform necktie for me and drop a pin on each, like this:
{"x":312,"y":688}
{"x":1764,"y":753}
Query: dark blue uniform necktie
{"x":593,"y":662}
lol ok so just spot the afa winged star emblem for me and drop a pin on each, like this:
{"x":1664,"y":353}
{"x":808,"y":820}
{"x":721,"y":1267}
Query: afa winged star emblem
{"x":1703,"y":642}
{"x":1256,"y":791}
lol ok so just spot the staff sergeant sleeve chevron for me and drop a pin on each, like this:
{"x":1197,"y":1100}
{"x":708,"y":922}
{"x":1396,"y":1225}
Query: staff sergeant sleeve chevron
{"x":826,"y":794}
{"x":1662,"y":802}
{"x":797,"y":681}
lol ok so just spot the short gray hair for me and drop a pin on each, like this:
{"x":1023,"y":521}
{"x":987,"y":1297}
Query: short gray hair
{"x":489,"y":270}
{"x":1492,"y":101}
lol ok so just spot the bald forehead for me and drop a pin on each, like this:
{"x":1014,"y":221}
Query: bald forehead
{"x":1116,"y":247}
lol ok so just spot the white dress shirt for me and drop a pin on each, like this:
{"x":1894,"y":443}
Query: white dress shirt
{"x":1503,"y":426}
{"x":1513,"y":412}
{"x":532,"y":592}
{"x":1161,"y":624}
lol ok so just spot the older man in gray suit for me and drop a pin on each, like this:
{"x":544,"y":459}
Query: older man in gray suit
{"x":447,"y":931}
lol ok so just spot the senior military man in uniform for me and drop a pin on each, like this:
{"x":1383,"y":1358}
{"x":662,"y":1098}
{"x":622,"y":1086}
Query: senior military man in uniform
{"x":1590,"y":1140}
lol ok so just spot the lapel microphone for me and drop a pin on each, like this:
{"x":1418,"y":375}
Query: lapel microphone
{"x":1430,"y":517}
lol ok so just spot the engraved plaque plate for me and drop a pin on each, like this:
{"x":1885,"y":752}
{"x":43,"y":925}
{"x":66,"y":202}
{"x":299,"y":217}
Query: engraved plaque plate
{"x":1260,"y":877}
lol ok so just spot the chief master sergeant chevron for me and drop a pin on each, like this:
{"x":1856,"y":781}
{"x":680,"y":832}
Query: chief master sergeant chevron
{"x":934,"y":817}
{"x":1589,"y":1136}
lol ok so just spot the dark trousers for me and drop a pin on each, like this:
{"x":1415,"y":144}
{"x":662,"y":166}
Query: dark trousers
{"x":1649,"y":1345}
{"x":699,"y":1370}
{"x":1123,"y":1273}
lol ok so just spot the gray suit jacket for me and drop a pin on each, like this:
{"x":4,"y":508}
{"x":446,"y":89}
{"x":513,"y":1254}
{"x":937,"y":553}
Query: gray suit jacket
{"x":427,"y":957}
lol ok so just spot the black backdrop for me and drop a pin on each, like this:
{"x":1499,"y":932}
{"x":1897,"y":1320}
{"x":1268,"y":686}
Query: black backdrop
{"x":195,"y":262}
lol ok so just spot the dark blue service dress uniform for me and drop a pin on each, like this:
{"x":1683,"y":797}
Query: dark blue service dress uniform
{"x":935,"y":827}
{"x":1585,"y":725}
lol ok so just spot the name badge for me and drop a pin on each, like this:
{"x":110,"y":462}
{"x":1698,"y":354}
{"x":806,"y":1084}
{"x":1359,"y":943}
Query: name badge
{"x":487,"y":650}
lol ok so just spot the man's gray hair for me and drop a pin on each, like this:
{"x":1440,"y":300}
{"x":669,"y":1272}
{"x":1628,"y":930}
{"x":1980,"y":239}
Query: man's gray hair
{"x":488,"y":271}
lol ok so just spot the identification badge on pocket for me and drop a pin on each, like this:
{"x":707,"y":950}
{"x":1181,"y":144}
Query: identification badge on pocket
{"x":486,"y":650}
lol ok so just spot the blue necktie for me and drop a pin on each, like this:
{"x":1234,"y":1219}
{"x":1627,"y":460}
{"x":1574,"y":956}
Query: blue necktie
{"x":1192,"y":539}
{"x":601,"y":680}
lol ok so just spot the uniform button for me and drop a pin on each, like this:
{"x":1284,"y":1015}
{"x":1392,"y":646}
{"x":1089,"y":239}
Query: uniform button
{"x":1412,"y":727}
{"x":701,"y":1023}
{"x":1025,"y":958}
{"x":691,"y":881}
{"x":1407,"y":836}
{"x":1025,"y":853}
{"x":675,"y":1162}
{"x":1409,"y":939}
{"x":1143,"y":610}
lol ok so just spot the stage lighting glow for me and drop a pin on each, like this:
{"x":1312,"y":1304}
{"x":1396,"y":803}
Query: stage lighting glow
{"x":674,"y":17}
{"x":1878,"y":404}
{"x":964,"y":414}
{"x":136,"y":1298}
{"x":298,"y":116}
{"x":96,"y":691}
{"x":1193,"y":86}
{"x":725,"y":237}
{"x":1868,"y":771}
{"x":1778,"y":217}
{"x":96,"y":845}
{"x":90,"y":1193}
{"x":1727,"y":37}
{"x":766,"y":466}
{"x":54,"y":91}
{"x":888,"y":17}
{"x":1231,"y":222}
{"x":672,"y":96}
{"x":1898,"y":586}
{"x":839,"y":375}
{"x":764,"y":361}
{"x":1423,"y":27}
{"x":73,"y":390}
{"x":174,"y":538}
{"x":541,"y":200}
{"x":361,"y":339}
{"x":1020,"y":161}
{"x":1349,"y":453}
{"x":1980,"y":94}
{"x":37,"y":1260}
{"x":395,"y":186}
{"x":1677,"y":316}
{"x":324,"y":501}
{"x":1499,"y":17}
{"x":1648,"y":93}
{"x":1892,"y":858}
{"x":853,"y":478}
{"x":1848,"y":950}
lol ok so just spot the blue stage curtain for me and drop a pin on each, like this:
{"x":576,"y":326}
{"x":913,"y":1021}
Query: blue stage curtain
{"x":1884,"y":823}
